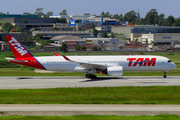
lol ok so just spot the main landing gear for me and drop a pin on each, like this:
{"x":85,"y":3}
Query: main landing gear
{"x":90,"y":76}
{"x":164,"y":74}
{"x":91,"y":73}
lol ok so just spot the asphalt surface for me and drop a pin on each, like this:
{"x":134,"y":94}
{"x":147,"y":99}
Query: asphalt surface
{"x":59,"y":110}
{"x":57,"y":82}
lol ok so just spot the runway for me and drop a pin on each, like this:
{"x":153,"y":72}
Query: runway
{"x":66,"y":110}
{"x":61,"y":82}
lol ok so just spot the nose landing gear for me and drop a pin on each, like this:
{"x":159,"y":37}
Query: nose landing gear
{"x":164,"y":74}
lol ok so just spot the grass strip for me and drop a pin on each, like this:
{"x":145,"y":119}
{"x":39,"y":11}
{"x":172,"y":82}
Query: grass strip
{"x":25,"y":72}
{"x":92,"y":117}
{"x":95,"y":95}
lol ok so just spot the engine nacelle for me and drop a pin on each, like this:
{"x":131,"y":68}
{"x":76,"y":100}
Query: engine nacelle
{"x":115,"y":71}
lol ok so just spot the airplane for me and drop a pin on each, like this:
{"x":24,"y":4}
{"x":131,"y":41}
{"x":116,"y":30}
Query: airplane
{"x":109,"y":65}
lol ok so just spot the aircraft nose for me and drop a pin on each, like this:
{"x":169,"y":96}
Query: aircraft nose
{"x":174,"y":66}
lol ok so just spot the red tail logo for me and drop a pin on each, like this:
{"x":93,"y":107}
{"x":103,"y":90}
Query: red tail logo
{"x":22,"y":55}
{"x":141,"y":61}
{"x":17,"y":48}
{"x":13,"y":42}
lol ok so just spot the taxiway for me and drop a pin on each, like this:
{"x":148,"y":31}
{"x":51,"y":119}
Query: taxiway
{"x":61,"y":110}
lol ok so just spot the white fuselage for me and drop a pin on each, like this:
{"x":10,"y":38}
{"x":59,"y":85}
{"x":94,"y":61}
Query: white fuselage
{"x":128,"y":62}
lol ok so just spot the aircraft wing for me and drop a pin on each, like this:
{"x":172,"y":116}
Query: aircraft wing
{"x":86,"y":64}
{"x":12,"y":59}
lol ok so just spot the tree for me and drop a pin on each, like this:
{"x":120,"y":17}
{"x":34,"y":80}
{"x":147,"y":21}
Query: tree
{"x":94,"y":48}
{"x":56,"y":20}
{"x":104,"y":35}
{"x":151,"y":17}
{"x":26,"y":13}
{"x":49,"y":13}
{"x":116,"y":16}
{"x":112,"y":35}
{"x":138,"y":16}
{"x":121,"y":17}
{"x":170,"y":20}
{"x":78,"y":48}
{"x":95,"y":32}
{"x":93,"y":26}
{"x":161,"y":20}
{"x":38,"y":37}
{"x":37,"y":29}
{"x":19,"y":30}
{"x":86,"y":14}
{"x":130,"y":16}
{"x":1,"y":13}
{"x":16,"y":29}
{"x":63,"y":48}
{"x":55,"y":29}
{"x":62,"y":20}
{"x":84,"y":48}
{"x":39,"y":12}
{"x":107,"y":14}
{"x":7,"y":27}
{"x":103,"y":14}
{"x":0,"y":22}
{"x":64,"y":12}
{"x":176,"y":22}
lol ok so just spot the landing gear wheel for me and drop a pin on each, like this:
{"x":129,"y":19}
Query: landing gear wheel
{"x":87,"y":76}
{"x":164,"y":76}
{"x":90,"y":76}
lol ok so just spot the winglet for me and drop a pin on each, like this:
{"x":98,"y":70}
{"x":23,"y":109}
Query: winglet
{"x":56,"y":54}
{"x":66,"y":58}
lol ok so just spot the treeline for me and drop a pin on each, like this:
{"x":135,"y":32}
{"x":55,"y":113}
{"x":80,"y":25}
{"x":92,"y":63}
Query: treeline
{"x":40,"y":13}
{"x":151,"y":18}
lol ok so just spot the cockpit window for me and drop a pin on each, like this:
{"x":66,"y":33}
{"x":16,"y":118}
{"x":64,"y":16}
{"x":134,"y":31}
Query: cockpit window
{"x":169,"y":61}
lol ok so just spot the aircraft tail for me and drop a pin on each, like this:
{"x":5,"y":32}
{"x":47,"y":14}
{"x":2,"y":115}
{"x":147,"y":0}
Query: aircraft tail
{"x":17,"y":48}
{"x":21,"y":54}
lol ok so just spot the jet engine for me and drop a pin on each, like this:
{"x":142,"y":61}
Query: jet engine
{"x":114,"y":71}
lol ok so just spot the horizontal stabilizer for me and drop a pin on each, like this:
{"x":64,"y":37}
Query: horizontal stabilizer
{"x":12,"y":59}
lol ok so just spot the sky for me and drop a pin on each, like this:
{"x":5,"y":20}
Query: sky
{"x":79,"y":7}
